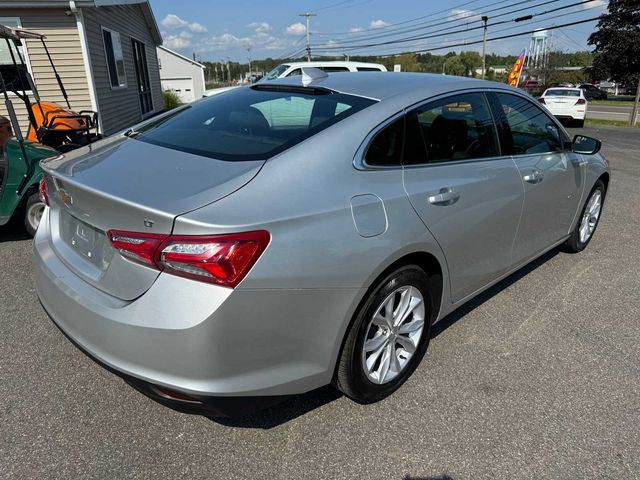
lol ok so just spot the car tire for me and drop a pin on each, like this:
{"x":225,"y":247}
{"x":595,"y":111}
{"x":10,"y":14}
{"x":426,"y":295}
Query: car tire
{"x":579,"y":123}
{"x":33,"y":209}
{"x":579,"y":238}
{"x":353,"y":377}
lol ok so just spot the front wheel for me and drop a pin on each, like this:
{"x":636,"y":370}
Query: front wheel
{"x":588,"y":221}
{"x":388,"y":338}
{"x":34,"y":208}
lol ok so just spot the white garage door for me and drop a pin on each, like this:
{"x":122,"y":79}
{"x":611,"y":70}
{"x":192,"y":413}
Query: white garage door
{"x":182,"y":86}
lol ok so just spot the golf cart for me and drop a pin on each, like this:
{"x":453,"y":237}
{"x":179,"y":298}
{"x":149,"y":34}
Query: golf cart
{"x":52,"y":130}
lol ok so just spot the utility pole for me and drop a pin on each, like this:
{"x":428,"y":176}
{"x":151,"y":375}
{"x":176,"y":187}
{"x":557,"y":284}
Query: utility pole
{"x":308,"y":16}
{"x":636,"y":106}
{"x":484,"y":46}
{"x":249,"y":58}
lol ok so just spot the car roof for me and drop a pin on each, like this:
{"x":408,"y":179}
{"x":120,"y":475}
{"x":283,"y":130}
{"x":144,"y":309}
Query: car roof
{"x":384,"y":85}
{"x":336,"y":63}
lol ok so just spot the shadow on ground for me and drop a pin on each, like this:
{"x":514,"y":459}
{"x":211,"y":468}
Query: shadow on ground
{"x":13,"y":232}
{"x":301,"y":404}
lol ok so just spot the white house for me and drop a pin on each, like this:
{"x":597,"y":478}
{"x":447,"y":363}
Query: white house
{"x":181,"y":74}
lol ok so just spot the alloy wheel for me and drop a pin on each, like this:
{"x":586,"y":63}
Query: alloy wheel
{"x":393,"y":334}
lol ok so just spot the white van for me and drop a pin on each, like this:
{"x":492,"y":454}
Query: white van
{"x":295,"y":68}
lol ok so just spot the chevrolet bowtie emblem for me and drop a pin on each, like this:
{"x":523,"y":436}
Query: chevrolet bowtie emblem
{"x":65,"y":197}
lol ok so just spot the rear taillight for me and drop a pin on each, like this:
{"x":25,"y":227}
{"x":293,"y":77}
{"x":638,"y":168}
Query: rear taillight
{"x":137,"y":247}
{"x":221,"y":259}
{"x":43,"y":193}
{"x":541,"y":100}
{"x":581,"y":101}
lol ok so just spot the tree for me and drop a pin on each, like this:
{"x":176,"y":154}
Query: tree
{"x":617,"y":43}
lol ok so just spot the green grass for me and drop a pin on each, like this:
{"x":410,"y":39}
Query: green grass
{"x":613,"y":123}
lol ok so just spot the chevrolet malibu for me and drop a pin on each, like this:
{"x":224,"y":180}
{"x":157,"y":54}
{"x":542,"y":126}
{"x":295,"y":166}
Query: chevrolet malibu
{"x":281,"y":237}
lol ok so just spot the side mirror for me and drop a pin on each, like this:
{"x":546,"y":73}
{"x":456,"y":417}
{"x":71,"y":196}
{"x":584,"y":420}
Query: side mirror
{"x":585,"y":145}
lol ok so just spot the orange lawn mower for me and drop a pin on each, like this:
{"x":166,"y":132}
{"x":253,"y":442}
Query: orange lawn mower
{"x":49,"y":123}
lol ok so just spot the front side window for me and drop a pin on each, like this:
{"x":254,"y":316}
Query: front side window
{"x":115,"y":58}
{"x":455,"y":128}
{"x":532,"y":131}
{"x":253,"y":123}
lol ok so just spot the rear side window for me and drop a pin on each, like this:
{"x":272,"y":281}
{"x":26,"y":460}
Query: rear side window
{"x":532,"y":131}
{"x":334,"y":69}
{"x":368,"y":69}
{"x":455,"y":128}
{"x":386,"y":147}
{"x":251,"y":123}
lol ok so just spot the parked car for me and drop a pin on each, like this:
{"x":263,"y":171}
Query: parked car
{"x":566,"y":104}
{"x":295,"y":68}
{"x":533,"y":87}
{"x":591,"y":92}
{"x":630,"y":90}
{"x":259,"y":258}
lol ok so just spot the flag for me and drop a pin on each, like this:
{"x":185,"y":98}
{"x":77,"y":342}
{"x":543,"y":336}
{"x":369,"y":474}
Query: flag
{"x":514,"y":76}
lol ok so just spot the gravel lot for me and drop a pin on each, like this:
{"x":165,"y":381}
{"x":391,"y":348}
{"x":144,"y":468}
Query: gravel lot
{"x":538,"y":378}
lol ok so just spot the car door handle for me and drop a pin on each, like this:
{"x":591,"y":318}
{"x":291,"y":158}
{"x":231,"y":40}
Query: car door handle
{"x":446,"y":196}
{"x":534,"y":177}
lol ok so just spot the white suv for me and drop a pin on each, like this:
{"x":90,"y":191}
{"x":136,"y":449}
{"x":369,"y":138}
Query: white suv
{"x":295,"y":68}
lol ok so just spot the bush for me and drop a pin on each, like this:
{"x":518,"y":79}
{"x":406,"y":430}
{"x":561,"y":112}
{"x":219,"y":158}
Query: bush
{"x":171,"y":99}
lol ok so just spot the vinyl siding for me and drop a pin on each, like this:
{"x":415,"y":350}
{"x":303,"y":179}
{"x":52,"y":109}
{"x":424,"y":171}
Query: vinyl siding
{"x":120,"y":107}
{"x":174,"y":67}
{"x":63,"y":42}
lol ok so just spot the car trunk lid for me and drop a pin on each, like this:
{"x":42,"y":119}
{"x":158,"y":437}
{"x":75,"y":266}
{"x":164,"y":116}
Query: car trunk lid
{"x":125,"y":184}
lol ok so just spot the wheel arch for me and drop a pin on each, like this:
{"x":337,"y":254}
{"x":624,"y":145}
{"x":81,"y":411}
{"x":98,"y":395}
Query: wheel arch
{"x":425,"y":260}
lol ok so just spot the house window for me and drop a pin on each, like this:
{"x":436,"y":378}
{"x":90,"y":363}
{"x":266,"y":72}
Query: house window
{"x":115,"y":59}
{"x":17,"y":79}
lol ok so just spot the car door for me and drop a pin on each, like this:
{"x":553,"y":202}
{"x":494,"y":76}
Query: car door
{"x":466,"y":193}
{"x":551,"y":174}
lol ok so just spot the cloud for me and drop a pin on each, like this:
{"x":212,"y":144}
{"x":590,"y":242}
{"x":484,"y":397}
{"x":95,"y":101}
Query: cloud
{"x":594,"y":4}
{"x":296,"y":29}
{"x":260,"y":28}
{"x":173,"y":22}
{"x":176,"y":42}
{"x":225,"y":41}
{"x":197,"y":27}
{"x":461,"y":13}
{"x":355,"y":29}
{"x":378,"y":24}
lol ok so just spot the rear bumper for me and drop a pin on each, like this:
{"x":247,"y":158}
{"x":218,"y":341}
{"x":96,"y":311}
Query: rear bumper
{"x":199,"y":339}
{"x":569,"y":114}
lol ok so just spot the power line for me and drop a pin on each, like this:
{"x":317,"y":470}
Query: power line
{"x":435,"y":33}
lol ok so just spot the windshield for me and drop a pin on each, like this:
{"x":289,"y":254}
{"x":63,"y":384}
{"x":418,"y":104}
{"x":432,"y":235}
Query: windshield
{"x":562,"y":93}
{"x":273,"y":74}
{"x":251,"y":123}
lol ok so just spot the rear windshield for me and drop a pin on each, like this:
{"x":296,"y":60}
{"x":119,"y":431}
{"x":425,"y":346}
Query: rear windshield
{"x":251,"y":123}
{"x":562,"y":93}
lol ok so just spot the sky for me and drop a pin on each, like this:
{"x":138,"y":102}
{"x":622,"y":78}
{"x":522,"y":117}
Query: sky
{"x":217,"y":31}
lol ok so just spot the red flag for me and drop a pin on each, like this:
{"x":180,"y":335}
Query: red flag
{"x":514,"y":76}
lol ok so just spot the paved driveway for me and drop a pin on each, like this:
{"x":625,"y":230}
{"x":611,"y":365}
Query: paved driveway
{"x":538,"y":378}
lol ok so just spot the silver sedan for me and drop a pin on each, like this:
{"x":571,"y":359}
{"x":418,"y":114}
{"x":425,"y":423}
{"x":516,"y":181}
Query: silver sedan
{"x":289,"y":235}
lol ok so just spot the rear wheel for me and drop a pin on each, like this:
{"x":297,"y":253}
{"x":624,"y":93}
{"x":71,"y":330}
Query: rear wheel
{"x":388,"y":338}
{"x":588,"y":221}
{"x":579,"y":123}
{"x":34,"y":207}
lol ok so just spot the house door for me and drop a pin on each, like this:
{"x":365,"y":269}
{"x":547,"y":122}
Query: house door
{"x":142,"y":76}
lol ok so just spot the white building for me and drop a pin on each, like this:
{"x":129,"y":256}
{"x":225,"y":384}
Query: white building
{"x":181,"y":74}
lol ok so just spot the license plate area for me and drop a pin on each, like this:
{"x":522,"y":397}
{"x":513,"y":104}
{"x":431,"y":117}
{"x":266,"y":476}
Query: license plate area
{"x":86,"y":240}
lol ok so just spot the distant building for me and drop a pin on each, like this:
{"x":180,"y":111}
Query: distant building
{"x":181,"y":75}
{"x":496,"y":69}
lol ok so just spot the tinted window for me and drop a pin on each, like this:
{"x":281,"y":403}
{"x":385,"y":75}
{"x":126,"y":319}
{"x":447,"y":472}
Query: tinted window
{"x":532,"y":131}
{"x":275,"y":73}
{"x":368,"y":69}
{"x":455,"y":128}
{"x":251,"y":123}
{"x":295,"y":72}
{"x":334,"y":69}
{"x":556,"y":92}
{"x":386,"y":147}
